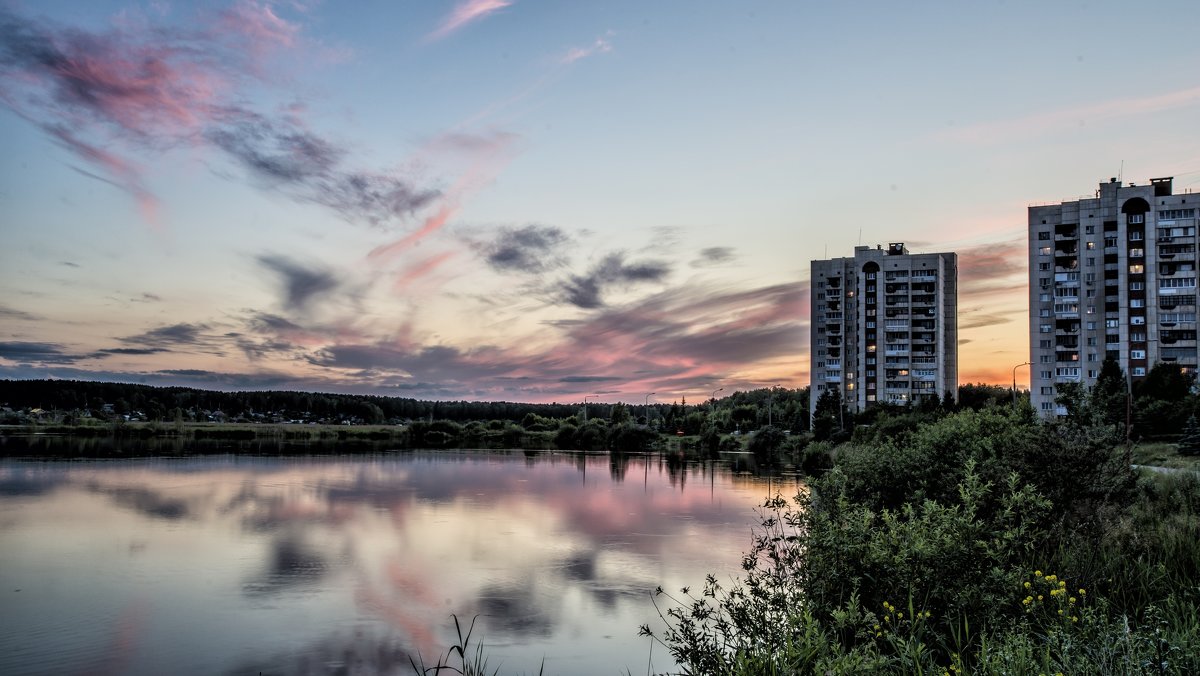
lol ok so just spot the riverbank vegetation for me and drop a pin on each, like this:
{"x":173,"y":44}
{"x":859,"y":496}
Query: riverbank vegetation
{"x":974,"y":542}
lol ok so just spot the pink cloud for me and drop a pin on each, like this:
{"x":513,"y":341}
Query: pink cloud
{"x":600,"y":45}
{"x":465,"y":13}
{"x":1055,"y":120}
{"x":421,"y":270}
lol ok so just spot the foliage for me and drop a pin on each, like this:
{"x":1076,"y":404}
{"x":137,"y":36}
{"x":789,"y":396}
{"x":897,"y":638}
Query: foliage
{"x":925,"y":552}
{"x":1189,"y":443}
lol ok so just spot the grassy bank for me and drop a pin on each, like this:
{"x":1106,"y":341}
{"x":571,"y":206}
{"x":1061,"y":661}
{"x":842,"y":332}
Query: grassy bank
{"x":984,"y":542}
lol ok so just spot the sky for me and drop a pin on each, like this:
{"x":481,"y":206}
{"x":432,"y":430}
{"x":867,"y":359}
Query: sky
{"x":541,"y":201}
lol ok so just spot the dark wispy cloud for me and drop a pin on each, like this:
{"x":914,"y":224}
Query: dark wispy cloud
{"x":172,"y":336}
{"x":673,"y":340}
{"x":37,"y":353}
{"x":586,"y":291}
{"x":979,"y":317}
{"x":301,"y":285}
{"x":285,"y":156}
{"x":100,"y":94}
{"x":68,"y":264}
{"x":715,"y":255}
{"x":13,"y":313}
{"x":130,"y":351}
{"x":531,"y":249}
{"x":993,"y":268}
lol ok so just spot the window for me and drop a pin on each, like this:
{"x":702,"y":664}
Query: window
{"x":1137,"y":269}
{"x":1047,"y":405}
{"x":1044,"y":235}
{"x":1111,"y":323}
{"x":1045,"y":328}
{"x":1091,"y":341}
{"x":1044,"y":375}
{"x":1137,"y":302}
{"x":1137,"y":336}
{"x":1067,"y":371}
{"x":1091,"y":326}
{"x":1047,"y":389}
{"x":1044,"y":312}
{"x":1137,"y":321}
{"x":1045,"y":297}
{"x":1091,"y":293}
{"x":1044,"y":251}
{"x":1091,"y":277}
{"x":1044,"y":282}
{"x":1045,"y":358}
{"x":1172,"y":214}
{"x":1136,"y":218}
{"x":1091,"y":373}
{"x":1091,"y":262}
{"x":1091,"y":309}
{"x":1043,"y":267}
{"x":1045,"y":344}
{"x":1139,"y":370}
{"x":1137,"y":286}
{"x":1137,"y":253}
{"x":1089,"y":230}
{"x":1091,"y":245}
{"x":1137,"y":354}
{"x":1091,"y":356}
{"x":1176,"y":282}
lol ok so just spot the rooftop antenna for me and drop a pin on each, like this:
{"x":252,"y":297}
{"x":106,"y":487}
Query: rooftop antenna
{"x":860,"y":236}
{"x":1121,"y":173}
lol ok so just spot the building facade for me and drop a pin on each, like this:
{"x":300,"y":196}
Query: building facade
{"x":1113,"y":275}
{"x":884,"y":326}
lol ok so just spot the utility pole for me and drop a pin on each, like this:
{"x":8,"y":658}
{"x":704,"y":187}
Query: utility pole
{"x":590,"y":396}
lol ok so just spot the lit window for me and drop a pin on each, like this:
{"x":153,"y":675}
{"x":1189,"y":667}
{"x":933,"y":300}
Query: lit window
{"x":1137,"y":354}
{"x":1139,"y":370}
{"x":1091,"y":245}
{"x":1044,"y":251}
{"x":1137,"y":269}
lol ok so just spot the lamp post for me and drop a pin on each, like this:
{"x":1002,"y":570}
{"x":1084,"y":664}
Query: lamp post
{"x":1014,"y":371}
{"x":646,"y":407}
{"x":590,"y":396}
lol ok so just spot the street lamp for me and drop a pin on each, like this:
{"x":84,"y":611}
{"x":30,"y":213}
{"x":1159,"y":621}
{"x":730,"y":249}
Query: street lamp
{"x":646,"y":407}
{"x":590,"y":396}
{"x":1014,"y":370}
{"x":771,"y":403}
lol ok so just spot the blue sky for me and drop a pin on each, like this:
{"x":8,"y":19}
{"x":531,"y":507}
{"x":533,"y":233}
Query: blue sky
{"x":507,"y":199}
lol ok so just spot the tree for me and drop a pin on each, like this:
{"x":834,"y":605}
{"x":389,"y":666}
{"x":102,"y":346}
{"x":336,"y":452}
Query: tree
{"x":1108,"y":397}
{"x":1189,"y":443}
{"x":828,"y":416}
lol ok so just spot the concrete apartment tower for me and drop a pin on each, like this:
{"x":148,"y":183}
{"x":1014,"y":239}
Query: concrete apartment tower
{"x":884,"y":326}
{"x":1112,"y":275}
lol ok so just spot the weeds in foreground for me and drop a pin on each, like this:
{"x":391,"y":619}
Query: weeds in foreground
{"x":470,"y":661}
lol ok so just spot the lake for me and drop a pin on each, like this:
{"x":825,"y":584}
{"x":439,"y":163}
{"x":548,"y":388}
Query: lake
{"x":230,"y":564}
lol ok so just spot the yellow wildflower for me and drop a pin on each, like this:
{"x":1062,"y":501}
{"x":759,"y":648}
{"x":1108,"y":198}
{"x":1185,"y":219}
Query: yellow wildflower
{"x":1082,"y":592}
{"x":1039,"y":597}
{"x":1037,"y":573}
{"x":1072,"y":600}
{"x":1027,"y":585}
{"x":1074,"y":618}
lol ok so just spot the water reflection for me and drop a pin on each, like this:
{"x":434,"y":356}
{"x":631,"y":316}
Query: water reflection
{"x":227,"y":564}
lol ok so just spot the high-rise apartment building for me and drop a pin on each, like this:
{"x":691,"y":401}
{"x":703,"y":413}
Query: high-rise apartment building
{"x":884,"y":326}
{"x":1112,"y":275}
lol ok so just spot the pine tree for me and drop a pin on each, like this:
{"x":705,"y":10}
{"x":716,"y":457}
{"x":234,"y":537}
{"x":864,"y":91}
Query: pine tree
{"x":1189,"y":443}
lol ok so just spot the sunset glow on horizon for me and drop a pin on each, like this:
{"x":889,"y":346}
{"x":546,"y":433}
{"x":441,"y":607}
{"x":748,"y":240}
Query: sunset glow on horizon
{"x":510,"y":200}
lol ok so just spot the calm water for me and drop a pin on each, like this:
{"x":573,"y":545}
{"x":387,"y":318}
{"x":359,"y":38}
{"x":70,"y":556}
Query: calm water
{"x":223,"y":564}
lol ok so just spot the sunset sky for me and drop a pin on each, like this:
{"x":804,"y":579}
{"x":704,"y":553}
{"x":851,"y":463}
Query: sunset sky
{"x":541,"y":201}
